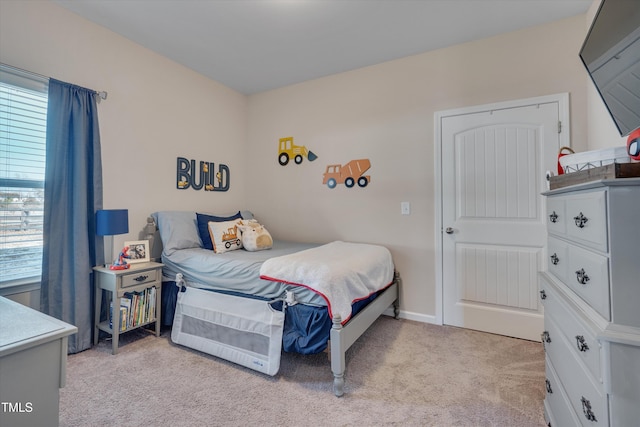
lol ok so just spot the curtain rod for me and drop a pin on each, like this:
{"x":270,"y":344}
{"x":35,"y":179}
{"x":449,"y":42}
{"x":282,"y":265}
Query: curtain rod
{"x":101,"y":94}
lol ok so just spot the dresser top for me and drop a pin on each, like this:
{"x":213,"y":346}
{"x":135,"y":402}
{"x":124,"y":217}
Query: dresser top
{"x":620,"y":182}
{"x":21,"y":326}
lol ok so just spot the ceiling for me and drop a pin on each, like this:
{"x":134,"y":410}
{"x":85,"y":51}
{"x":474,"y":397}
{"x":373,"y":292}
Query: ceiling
{"x":257,"y":45}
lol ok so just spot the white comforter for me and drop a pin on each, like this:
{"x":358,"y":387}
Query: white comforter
{"x":342,"y":273}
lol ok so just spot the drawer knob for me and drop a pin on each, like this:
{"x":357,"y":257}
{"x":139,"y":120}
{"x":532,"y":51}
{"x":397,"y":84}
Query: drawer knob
{"x":582,"y":277}
{"x":581,"y":343}
{"x":553,"y":217}
{"x":554,"y":259}
{"x":543,"y":295}
{"x":548,"y":384}
{"x":586,"y":408}
{"x":141,"y":278}
{"x":580,"y":220}
{"x":545,"y":339}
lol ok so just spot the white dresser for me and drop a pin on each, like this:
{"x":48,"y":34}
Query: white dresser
{"x":33,"y":365}
{"x":591,"y":296}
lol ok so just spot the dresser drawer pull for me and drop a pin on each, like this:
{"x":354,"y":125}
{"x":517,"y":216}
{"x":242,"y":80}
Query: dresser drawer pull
{"x":554,"y":259}
{"x":581,"y":277}
{"x":141,"y":278}
{"x":548,"y":384}
{"x":543,"y":295}
{"x":545,"y":339}
{"x":553,"y":217}
{"x":586,"y":408}
{"x":580,"y":220}
{"x":581,"y":343}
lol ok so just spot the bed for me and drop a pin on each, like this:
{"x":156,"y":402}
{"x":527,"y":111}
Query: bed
{"x":308,"y":279}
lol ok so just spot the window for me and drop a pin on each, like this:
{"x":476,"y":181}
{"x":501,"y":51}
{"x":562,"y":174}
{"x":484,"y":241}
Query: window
{"x":23,"y":118}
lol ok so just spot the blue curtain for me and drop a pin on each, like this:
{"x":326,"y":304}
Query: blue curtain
{"x":73,"y":193}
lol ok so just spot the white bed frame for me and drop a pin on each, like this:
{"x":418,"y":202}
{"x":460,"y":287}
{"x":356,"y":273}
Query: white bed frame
{"x":342,"y":337}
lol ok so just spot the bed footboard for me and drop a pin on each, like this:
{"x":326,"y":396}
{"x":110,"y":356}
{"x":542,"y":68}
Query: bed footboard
{"x":342,"y":337}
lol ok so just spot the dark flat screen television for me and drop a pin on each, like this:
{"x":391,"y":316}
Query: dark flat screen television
{"x":611,"y":54}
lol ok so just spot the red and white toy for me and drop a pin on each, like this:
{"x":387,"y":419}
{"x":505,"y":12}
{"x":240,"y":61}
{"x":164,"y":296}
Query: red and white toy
{"x":633,"y":144}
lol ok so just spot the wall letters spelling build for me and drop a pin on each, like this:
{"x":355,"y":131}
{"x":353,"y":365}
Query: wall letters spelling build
{"x":207,"y":178}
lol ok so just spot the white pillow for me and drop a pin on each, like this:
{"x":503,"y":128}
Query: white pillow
{"x":225,"y":235}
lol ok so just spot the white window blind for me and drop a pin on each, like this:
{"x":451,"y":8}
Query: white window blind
{"x":23,"y":119}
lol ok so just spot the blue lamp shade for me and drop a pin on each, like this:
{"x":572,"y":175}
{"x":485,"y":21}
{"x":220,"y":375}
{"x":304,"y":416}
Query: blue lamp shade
{"x":112,"y":221}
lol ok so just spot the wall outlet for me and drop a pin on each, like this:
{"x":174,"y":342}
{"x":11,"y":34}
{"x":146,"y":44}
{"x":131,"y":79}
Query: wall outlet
{"x":405,"y":208}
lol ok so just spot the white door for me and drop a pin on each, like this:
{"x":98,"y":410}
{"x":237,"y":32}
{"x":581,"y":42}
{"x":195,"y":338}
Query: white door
{"x":493,"y":170}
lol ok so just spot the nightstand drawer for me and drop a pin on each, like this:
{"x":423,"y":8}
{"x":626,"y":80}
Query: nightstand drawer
{"x":586,"y":216}
{"x":139,"y":278}
{"x":583,"y":339}
{"x":585,"y":395}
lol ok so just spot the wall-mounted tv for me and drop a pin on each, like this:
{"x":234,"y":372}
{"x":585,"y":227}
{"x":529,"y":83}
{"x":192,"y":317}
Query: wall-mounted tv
{"x":611,"y":54}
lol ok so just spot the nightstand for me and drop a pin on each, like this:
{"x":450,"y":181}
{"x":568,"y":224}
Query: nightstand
{"x":137,"y":288}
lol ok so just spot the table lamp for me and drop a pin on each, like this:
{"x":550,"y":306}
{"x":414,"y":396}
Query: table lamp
{"x":110,"y":222}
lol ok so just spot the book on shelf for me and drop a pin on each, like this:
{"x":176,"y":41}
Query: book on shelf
{"x":136,"y":308}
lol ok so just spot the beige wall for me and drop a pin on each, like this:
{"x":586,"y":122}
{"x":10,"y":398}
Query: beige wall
{"x":158,"y":110}
{"x":385,"y":113}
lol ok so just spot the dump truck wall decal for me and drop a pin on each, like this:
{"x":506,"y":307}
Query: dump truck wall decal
{"x":348,"y":174}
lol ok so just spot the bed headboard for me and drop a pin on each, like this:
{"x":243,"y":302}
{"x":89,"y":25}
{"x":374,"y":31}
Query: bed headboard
{"x":152,"y":234}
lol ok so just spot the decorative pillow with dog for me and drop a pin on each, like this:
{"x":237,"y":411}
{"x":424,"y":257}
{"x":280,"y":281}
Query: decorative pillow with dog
{"x":254,"y":236}
{"x":225,"y":235}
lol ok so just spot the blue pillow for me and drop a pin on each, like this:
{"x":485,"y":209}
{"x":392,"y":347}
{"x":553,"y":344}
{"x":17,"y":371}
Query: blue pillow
{"x":203,"y":226}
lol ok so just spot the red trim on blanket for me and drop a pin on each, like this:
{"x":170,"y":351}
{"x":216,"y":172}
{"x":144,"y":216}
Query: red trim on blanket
{"x":324,"y":296}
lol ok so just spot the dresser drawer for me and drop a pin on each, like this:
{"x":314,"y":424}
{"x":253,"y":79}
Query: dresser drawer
{"x":556,"y":215}
{"x":139,"y":278}
{"x":585,"y":395}
{"x":556,"y":400}
{"x":558,"y":261}
{"x":586,"y":215}
{"x":588,"y":276}
{"x":581,"y":337}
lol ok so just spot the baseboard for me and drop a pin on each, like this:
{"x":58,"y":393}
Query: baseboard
{"x":412,"y":316}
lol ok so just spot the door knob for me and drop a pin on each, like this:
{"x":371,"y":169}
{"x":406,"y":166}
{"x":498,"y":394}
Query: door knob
{"x":449,"y":230}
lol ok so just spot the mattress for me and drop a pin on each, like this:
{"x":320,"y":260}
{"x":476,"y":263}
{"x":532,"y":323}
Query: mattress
{"x":237,"y":271}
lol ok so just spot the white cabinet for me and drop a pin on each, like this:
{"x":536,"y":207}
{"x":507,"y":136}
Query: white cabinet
{"x":591,"y":296}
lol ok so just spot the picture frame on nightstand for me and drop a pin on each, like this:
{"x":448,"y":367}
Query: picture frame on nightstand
{"x":138,"y":251}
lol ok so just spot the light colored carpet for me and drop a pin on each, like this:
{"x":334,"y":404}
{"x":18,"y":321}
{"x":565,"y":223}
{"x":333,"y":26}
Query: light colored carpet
{"x":398,"y":373}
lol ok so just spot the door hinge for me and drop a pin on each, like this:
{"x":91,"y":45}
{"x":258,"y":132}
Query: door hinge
{"x":559,"y":126}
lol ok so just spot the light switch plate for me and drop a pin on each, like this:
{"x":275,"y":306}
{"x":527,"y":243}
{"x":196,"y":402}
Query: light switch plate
{"x":405,"y":208}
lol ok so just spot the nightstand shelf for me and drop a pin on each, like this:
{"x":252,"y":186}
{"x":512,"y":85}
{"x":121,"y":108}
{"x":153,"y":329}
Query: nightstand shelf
{"x":138,"y":278}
